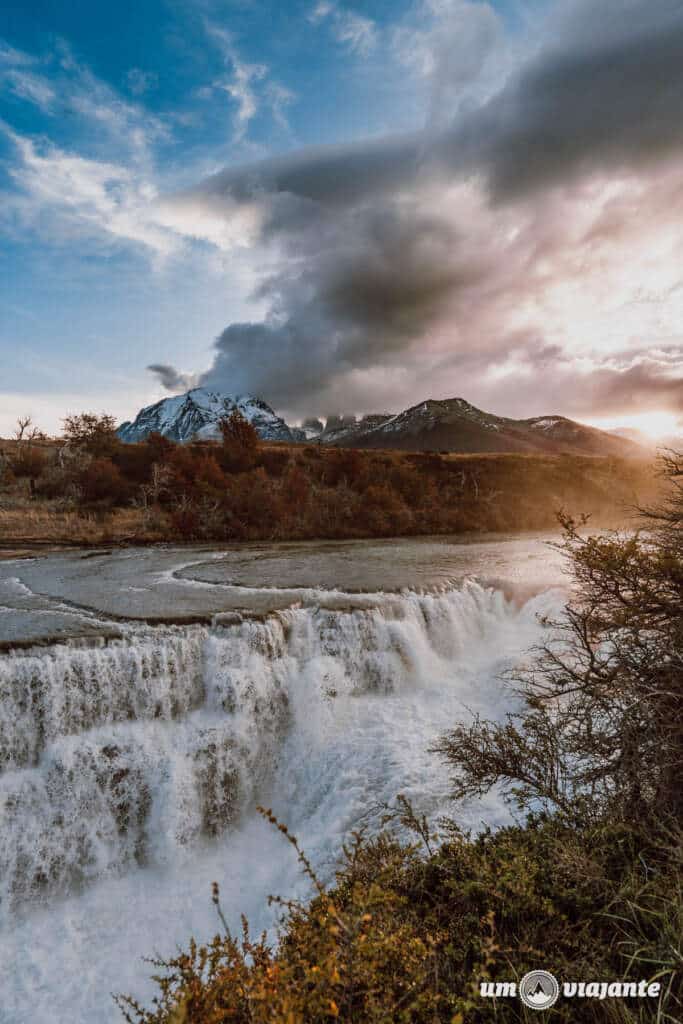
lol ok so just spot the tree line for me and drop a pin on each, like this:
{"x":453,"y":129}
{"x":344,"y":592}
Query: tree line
{"x":240,"y":488}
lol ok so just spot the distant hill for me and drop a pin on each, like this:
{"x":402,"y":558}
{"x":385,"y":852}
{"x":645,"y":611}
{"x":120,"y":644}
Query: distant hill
{"x":455,"y":425}
{"x":450,"y":425}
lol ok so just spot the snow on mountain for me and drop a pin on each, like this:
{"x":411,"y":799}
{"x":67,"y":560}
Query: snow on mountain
{"x":454,"y":424}
{"x":311,"y":428}
{"x":424,"y":419}
{"x":579,"y":436}
{"x":446,"y":425}
{"x":431,"y":412}
{"x":197,"y":414}
{"x":545,"y":422}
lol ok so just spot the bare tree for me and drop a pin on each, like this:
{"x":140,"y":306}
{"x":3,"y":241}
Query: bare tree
{"x":159,"y":484}
{"x":600,"y":728}
{"x":23,"y":424}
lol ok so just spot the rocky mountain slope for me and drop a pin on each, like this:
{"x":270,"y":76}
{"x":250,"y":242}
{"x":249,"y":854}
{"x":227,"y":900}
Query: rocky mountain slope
{"x":448,"y":425}
{"x":197,"y":414}
{"x":455,"y":425}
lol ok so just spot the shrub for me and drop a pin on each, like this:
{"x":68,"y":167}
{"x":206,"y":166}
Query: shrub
{"x":135,"y":462}
{"x":344,"y":466}
{"x":102,"y":481}
{"x":337,"y":512}
{"x":28,"y":462}
{"x":240,"y":442}
{"x":274,"y":460}
{"x":160,"y":447}
{"x":185,"y":520}
{"x":194,"y":473}
{"x":600,"y":730}
{"x":408,"y":483}
{"x":182,"y":463}
{"x":384,"y":510}
{"x":58,"y":482}
{"x":252,"y":500}
{"x":409,"y":930}
{"x":209,"y":477}
{"x":296,"y":488}
{"x":93,"y":433}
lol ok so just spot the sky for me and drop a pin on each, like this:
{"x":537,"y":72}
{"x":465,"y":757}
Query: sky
{"x":343,"y":208}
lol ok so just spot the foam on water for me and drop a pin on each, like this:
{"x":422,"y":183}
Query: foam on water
{"x":130,"y":772}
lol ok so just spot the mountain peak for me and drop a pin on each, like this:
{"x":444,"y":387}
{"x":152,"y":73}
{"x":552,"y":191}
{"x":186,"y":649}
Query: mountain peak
{"x":447,"y":424}
{"x":197,"y":414}
{"x":454,"y":424}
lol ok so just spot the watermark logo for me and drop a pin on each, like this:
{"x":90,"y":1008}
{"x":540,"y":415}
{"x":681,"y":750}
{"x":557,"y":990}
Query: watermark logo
{"x":539,"y":990}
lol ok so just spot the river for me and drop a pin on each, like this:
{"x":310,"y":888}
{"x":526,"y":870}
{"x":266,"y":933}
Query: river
{"x":151,"y":698}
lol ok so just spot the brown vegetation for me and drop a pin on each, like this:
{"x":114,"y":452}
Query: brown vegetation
{"x":243,"y":489}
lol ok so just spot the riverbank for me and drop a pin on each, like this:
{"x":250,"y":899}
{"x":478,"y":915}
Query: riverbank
{"x":191,"y":493}
{"x":86,"y":594}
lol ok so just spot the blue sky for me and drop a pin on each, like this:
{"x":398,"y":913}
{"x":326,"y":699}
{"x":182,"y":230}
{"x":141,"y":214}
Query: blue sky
{"x":83,"y":311}
{"x":105,"y":110}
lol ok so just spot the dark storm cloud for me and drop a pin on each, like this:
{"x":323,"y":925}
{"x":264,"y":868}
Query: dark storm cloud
{"x":610,"y":97}
{"x":375,"y":254}
{"x":334,"y":176}
{"x":370,"y":291}
{"x":170,"y":378}
{"x":609,"y":92}
{"x":401,"y":267}
{"x":357,"y":293}
{"x":646,"y":385}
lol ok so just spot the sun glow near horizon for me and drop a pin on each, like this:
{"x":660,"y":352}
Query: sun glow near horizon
{"x":654,"y":425}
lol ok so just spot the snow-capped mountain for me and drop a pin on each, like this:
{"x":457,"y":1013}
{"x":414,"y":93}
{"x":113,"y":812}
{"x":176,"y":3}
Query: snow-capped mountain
{"x":448,"y":425}
{"x":197,"y":414}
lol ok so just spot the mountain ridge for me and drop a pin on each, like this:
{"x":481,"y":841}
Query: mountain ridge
{"x":455,"y":424}
{"x":451,"y":424}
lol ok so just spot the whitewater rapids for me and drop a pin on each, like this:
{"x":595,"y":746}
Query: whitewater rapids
{"x":131,"y":767}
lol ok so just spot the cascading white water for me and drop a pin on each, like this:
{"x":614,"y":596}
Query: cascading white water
{"x":130,"y":771}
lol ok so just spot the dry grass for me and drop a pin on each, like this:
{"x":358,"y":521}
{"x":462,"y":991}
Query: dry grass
{"x":307,"y":492}
{"x":37,"y":525}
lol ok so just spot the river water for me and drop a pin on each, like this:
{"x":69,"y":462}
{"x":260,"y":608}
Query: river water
{"x":150,"y":699}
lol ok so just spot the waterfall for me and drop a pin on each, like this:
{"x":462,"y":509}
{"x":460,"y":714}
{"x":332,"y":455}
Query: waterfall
{"x":144,"y":756}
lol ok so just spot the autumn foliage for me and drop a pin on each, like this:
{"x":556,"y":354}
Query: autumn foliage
{"x":240,"y":488}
